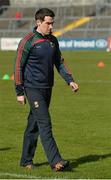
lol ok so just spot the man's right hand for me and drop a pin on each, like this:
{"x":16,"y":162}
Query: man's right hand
{"x":21,"y":99}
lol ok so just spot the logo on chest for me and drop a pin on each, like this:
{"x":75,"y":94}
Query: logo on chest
{"x":52,"y":44}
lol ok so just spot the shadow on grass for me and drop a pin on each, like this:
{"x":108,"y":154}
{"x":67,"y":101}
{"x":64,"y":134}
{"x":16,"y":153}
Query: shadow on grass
{"x":74,"y":163}
{"x":41,"y":164}
{"x":5,"y":149}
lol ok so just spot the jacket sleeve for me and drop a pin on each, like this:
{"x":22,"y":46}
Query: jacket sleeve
{"x":21,"y":58}
{"x":61,"y":65}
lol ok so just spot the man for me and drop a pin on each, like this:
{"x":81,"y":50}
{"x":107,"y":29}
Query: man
{"x":37,"y":54}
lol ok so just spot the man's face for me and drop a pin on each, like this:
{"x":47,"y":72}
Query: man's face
{"x":45,"y":27}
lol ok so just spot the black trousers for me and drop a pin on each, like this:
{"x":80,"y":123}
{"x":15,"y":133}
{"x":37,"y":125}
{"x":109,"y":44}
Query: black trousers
{"x":39,"y":123}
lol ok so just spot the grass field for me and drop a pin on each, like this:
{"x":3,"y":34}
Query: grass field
{"x":81,"y":121}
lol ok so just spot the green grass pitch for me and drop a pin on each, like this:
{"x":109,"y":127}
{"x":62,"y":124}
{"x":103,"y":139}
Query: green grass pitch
{"x":81,"y":121}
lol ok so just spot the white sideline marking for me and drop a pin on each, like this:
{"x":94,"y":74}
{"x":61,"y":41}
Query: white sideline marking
{"x":94,"y":81}
{"x":18,"y":175}
{"x":27,"y":176}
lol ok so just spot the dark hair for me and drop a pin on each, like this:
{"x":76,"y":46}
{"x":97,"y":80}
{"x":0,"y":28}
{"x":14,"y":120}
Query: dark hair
{"x":41,"y":13}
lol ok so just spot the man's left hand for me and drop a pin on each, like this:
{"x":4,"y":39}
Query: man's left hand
{"x":74,"y":86}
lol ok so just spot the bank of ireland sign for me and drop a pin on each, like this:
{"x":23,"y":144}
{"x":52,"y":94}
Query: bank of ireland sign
{"x":83,"y":43}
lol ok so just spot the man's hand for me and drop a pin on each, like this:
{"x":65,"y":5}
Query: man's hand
{"x":74,"y":86}
{"x":21,"y":99}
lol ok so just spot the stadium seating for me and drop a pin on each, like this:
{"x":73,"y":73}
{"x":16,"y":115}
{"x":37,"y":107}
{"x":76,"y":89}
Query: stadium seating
{"x":66,"y":12}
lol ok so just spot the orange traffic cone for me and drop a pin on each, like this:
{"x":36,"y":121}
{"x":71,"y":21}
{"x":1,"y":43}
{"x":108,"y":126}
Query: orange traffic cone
{"x":12,"y":77}
{"x":101,"y":64}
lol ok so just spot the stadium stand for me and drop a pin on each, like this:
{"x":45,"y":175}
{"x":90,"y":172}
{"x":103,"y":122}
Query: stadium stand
{"x":4,"y":3}
{"x":66,"y":12}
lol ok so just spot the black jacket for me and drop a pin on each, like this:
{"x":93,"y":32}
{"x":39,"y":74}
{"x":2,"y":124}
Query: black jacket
{"x":35,"y":60}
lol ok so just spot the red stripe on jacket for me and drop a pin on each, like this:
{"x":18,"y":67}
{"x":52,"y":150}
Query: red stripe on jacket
{"x":40,"y":40}
{"x":19,"y":57}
